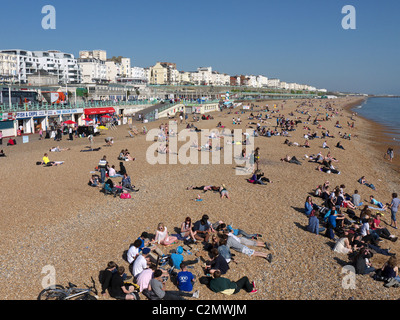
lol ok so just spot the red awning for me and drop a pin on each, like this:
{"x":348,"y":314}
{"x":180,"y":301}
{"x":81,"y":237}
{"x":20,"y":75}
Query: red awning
{"x":100,"y":110}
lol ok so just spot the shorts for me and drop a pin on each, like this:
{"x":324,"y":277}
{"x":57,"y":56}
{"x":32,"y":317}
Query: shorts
{"x":248,"y":251}
{"x":393,"y":215}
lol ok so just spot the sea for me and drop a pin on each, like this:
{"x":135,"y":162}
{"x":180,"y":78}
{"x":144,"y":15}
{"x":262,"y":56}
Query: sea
{"x":385,"y":111}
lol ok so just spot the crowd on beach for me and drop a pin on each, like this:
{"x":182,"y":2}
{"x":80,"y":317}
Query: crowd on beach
{"x":216,"y":245}
{"x":357,"y":235}
{"x":353,"y":225}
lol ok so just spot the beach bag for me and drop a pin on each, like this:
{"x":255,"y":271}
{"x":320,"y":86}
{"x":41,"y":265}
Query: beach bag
{"x":125,"y":196}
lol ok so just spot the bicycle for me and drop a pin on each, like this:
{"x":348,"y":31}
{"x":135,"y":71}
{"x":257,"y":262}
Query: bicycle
{"x":71,"y":292}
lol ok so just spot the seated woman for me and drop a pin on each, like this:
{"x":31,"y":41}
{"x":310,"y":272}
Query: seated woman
{"x":126,"y":182}
{"x":46,"y":161}
{"x":122,"y":155}
{"x":186,"y":230}
{"x":162,"y":237}
{"x":343,"y":245}
{"x":109,"y":141}
{"x":309,"y":206}
{"x":258,"y":178}
{"x":94,"y":181}
{"x":339,"y":145}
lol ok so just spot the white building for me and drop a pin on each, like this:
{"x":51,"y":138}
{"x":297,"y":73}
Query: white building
{"x":63,"y":65}
{"x":113,"y":70}
{"x":262,"y":81}
{"x":273,"y":83}
{"x":8,"y":66}
{"x":93,"y":70}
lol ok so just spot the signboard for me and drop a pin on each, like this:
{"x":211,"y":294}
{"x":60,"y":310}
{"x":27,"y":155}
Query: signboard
{"x":7,"y":116}
{"x":25,"y":139}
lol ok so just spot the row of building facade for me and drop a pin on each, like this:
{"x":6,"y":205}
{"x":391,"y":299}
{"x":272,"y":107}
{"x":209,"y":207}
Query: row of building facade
{"x":93,"y":66}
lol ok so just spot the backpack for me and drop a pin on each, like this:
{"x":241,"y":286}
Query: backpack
{"x":125,"y":196}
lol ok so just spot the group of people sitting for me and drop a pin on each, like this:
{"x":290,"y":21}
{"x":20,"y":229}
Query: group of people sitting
{"x":150,"y":268}
{"x":357,"y":235}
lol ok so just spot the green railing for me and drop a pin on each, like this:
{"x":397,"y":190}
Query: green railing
{"x":84,"y":105}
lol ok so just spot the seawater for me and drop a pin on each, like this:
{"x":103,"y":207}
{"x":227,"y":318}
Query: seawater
{"x":383,"y":110}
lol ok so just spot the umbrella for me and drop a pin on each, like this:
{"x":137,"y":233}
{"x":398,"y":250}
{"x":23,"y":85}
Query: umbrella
{"x":87,"y":119}
{"x":69,"y":122}
{"x":106,"y":116}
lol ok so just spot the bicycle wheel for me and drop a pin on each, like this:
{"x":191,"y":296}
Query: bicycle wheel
{"x":87,"y":297}
{"x":53,"y":293}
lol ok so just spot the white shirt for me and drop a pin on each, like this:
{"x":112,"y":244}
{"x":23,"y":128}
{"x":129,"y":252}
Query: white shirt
{"x":131,"y":254}
{"x":364,"y":229}
{"x":111,"y":172}
{"x":139,"y":265}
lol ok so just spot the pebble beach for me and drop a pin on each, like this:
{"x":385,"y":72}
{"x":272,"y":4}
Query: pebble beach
{"x":51,"y":217}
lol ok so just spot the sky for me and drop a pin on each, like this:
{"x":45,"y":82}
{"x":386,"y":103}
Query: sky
{"x":293,"y":40}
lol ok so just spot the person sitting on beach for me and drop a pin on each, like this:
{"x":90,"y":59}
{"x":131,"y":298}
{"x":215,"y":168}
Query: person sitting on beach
{"x":46,"y":161}
{"x":162,"y":236}
{"x":112,"y":173}
{"x":177,"y":259}
{"x":119,"y":289}
{"x":382,"y":231}
{"x":187,"y":230}
{"x":11,"y":142}
{"x":203,"y":228}
{"x":325,"y":145}
{"x":122,"y":169}
{"x":313,"y":224}
{"x":339,"y":145}
{"x":309,"y":206}
{"x":109,"y":141}
{"x":126,"y":182}
{"x":356,"y":199}
{"x":217,"y":262}
{"x":2,"y":154}
{"x":343,"y":245}
{"x":258,"y":178}
{"x":94,"y":181}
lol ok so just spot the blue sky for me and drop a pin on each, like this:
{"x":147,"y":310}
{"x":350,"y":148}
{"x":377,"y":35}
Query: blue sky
{"x":296,"y":41}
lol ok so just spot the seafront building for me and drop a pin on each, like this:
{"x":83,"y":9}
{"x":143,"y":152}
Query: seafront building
{"x":63,"y":65}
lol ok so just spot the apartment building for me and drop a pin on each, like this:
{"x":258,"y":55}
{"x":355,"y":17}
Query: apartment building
{"x":63,"y":65}
{"x":95,"y":54}
{"x":93,"y":70}
{"x":163,"y":73}
{"x":8,"y":67}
